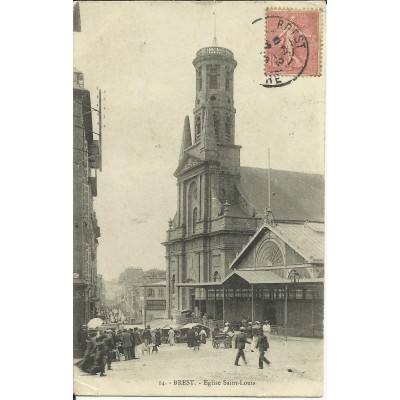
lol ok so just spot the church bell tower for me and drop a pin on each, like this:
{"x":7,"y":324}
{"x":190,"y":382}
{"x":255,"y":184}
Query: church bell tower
{"x":202,"y":240}
{"x":214,"y":95}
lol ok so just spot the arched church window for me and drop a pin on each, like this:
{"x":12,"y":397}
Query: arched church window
{"x":213,"y":82}
{"x":173,"y":284}
{"x":228,"y":77}
{"x":192,"y":204}
{"x":199,"y":79}
{"x":216,"y":118}
{"x":269,"y":255}
{"x":228,"y":128}
{"x":197,"y":128}
{"x":217,"y":277}
{"x":213,"y":72}
{"x":194,"y":220}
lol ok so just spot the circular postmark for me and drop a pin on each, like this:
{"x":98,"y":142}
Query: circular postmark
{"x":286,"y":51}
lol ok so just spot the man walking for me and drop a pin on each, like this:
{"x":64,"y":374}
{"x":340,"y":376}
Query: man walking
{"x":241,"y":343}
{"x":249,"y":335}
{"x":263,"y":346}
{"x":255,"y":330}
{"x":266,"y":328}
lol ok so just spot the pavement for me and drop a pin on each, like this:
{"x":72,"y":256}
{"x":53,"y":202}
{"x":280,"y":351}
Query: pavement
{"x":296,"y":369}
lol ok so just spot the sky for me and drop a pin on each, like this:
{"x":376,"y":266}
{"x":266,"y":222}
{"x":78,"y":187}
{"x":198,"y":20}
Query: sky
{"x":140,"y":54}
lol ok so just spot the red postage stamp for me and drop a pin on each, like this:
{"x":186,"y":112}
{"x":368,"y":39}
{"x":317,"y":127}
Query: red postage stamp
{"x":292,"y":43}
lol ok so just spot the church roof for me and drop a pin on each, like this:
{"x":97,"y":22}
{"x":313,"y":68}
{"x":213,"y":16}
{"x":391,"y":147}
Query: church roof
{"x":254,"y":277}
{"x":307,"y":239}
{"x":295,"y":196}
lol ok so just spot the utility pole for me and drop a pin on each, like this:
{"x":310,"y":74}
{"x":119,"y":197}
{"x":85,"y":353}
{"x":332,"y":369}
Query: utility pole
{"x":100,"y":130}
{"x":269,"y":216}
{"x":144,"y":306}
{"x":269,"y":180}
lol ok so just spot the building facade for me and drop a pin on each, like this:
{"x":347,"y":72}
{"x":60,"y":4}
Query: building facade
{"x":131,"y":290}
{"x":111,"y":293}
{"x":221,"y":204}
{"x":101,"y":291}
{"x":154,"y":301}
{"x":86,"y":162}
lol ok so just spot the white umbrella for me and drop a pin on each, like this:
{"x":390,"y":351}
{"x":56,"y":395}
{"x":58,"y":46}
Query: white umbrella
{"x":94,"y":323}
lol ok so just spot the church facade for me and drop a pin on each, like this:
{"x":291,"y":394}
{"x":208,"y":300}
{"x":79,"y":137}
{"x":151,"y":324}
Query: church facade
{"x":220,"y":204}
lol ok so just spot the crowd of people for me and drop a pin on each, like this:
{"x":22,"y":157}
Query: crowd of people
{"x":115,"y":344}
{"x":102,"y":348}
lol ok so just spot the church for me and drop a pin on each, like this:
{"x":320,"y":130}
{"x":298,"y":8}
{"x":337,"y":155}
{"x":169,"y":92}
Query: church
{"x":244,"y":241}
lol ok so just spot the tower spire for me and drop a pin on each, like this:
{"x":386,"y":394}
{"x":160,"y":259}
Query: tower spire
{"x":186,"y":137}
{"x":214,"y":43}
{"x":268,"y":216}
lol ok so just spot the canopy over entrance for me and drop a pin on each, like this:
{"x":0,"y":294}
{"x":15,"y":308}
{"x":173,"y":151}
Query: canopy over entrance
{"x":253,"y":277}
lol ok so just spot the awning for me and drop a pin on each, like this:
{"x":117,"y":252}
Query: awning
{"x":199,"y":284}
{"x":251,"y":277}
{"x":254,"y":277}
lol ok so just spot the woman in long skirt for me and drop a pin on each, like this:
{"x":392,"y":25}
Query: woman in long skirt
{"x":171,"y":337}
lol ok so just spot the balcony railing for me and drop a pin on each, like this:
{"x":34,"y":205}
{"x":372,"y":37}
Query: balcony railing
{"x":206,"y":51}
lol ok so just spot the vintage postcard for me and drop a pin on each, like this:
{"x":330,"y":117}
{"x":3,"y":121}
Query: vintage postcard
{"x":199,"y":134}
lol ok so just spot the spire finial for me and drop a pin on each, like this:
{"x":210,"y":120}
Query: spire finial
{"x":268,"y":216}
{"x":214,"y":43}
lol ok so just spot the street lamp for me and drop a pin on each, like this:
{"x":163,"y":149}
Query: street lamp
{"x":294,"y":278}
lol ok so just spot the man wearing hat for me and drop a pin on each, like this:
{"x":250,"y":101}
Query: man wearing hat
{"x":249,"y":335}
{"x":266,"y":328}
{"x":146,"y":337}
{"x":263,"y":346}
{"x":226,"y":329}
{"x":255,"y":330}
{"x":241,"y":341}
{"x":126,"y":344}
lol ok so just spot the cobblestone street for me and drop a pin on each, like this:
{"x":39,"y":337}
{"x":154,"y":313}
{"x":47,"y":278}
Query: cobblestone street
{"x":212,"y":371}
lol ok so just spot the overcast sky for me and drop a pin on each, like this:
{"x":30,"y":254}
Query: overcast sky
{"x":141,"y":54}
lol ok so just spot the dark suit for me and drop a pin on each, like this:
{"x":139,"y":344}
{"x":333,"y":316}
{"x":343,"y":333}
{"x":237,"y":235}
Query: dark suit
{"x":241,"y":341}
{"x":263,"y":346}
{"x":108,"y":347}
{"x":190,"y":338}
{"x":133,"y":344}
{"x":127,"y":344}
